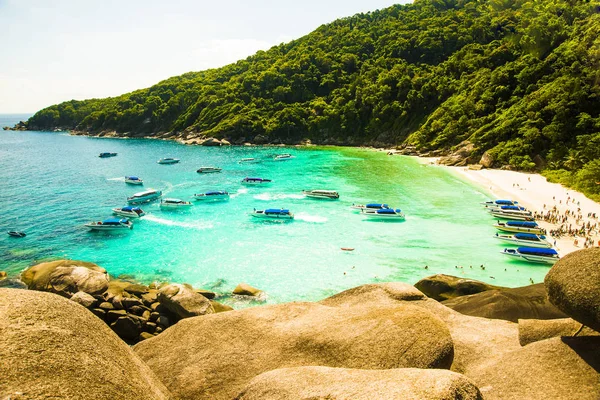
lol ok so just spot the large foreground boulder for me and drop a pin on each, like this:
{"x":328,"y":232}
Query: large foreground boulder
{"x":339,"y":383}
{"x":528,"y":302}
{"x":215,"y":356}
{"x":557,"y":368}
{"x":66,"y":277}
{"x":443,"y":287}
{"x":573,"y":285}
{"x":53,"y":348}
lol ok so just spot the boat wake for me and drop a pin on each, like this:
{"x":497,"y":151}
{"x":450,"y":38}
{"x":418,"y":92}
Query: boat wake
{"x":121,"y":178}
{"x":310,"y":218}
{"x":189,"y":225}
{"x":277,"y":196}
{"x":239,"y":191}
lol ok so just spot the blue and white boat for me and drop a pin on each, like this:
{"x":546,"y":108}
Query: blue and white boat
{"x":511,"y":212}
{"x":175,"y":204}
{"x":255,"y":181}
{"x":134,"y":180}
{"x":212,"y":196}
{"x":143,"y":197}
{"x":533,"y":254}
{"x":129,"y":212}
{"x":112,"y":224}
{"x":520,"y":227}
{"x":499,"y":203}
{"x":370,"y":206}
{"x":273,"y":213}
{"x":525,"y":239}
{"x":168,"y":160}
{"x":107,"y":155}
{"x":384,"y":213}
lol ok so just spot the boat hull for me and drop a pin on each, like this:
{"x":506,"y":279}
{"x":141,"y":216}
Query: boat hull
{"x":281,"y":217}
{"x":325,"y":196}
{"x":211,"y":198}
{"x":167,"y":161}
{"x":542,"y":244}
{"x":208,"y":170}
{"x":127,"y":214}
{"x":516,"y":229}
{"x":530,"y":258}
{"x":175,"y":206}
{"x":519,"y":217}
{"x":136,"y":182}
{"x":107,"y":228}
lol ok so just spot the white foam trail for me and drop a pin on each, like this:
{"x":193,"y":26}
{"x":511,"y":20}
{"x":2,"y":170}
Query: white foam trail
{"x":191,"y":225}
{"x":122,"y":179}
{"x":279,"y":196}
{"x":239,"y":191}
{"x":310,"y":218}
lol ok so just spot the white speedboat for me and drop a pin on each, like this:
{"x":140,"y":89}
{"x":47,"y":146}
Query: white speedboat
{"x":129,"y":212}
{"x":208,"y":170}
{"x":526,"y":239}
{"x":134,"y":180}
{"x":249,"y":160}
{"x":384,"y":213}
{"x":175,"y":204}
{"x":107,"y":155}
{"x":112,"y":224}
{"x":499,"y":203}
{"x":145,"y":196}
{"x":255,"y":181}
{"x":520,"y":227}
{"x":370,"y":206}
{"x":283,"y":157}
{"x":168,"y":160}
{"x":533,"y":254}
{"x":512,"y":212}
{"x":212,"y":196}
{"x":273,"y":213}
{"x":321,"y":194}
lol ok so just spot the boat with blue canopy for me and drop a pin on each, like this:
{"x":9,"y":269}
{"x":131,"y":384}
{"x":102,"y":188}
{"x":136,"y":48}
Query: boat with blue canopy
{"x":143,"y":197}
{"x":520,"y":227}
{"x":511,"y":212}
{"x":134,"y":180}
{"x":273,"y":213}
{"x":525,"y":239}
{"x":499,"y":203}
{"x":369,"y":206}
{"x":212,"y":196}
{"x":384,"y":213}
{"x":533,"y":254}
{"x":112,"y":224}
{"x":129,"y":212}
{"x":255,"y":181}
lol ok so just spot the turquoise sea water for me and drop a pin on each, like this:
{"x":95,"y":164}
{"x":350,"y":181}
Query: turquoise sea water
{"x":52,"y":183}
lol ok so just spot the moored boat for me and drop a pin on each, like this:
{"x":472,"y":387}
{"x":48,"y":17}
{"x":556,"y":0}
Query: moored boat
{"x":369,"y":206}
{"x":520,"y":227}
{"x":249,"y":160}
{"x":145,"y":196}
{"x":283,"y":157}
{"x":525,"y":239}
{"x":255,"y":181}
{"x":499,"y":203}
{"x":208,"y":170}
{"x":321,"y":194}
{"x":174,"y":204}
{"x":273,"y":213}
{"x":17,"y":234}
{"x":107,"y":155}
{"x":134,"y":180}
{"x":533,"y":254}
{"x":212,"y":196}
{"x":129,"y":212}
{"x":168,"y":160}
{"x":384,"y":213}
{"x":112,"y":224}
{"x":512,"y":212}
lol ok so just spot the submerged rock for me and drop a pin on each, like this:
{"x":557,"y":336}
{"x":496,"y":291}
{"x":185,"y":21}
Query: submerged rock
{"x":359,"y":384}
{"x":243,"y":289}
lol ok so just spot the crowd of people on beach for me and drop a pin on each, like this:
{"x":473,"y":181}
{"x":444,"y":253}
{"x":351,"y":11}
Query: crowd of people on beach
{"x":571,"y":223}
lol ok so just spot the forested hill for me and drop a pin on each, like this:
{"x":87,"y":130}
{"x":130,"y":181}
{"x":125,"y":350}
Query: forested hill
{"x":519,"y":78}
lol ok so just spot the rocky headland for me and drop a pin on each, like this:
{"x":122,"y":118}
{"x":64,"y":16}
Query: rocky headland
{"x":376,"y":341}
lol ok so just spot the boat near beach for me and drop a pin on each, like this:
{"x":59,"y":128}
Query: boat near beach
{"x":129,"y":212}
{"x":208,"y":170}
{"x":134,"y":180}
{"x":175,"y":204}
{"x":533,"y":254}
{"x":499,"y":203}
{"x":520,"y":227}
{"x":255,"y":181}
{"x":283,"y":157}
{"x":249,"y":160}
{"x":168,"y":160}
{"x":525,"y":239}
{"x":145,"y":196}
{"x":273,"y":213}
{"x":212,"y":196}
{"x":384,"y":213}
{"x":112,"y":224}
{"x":370,"y":206}
{"x":512,"y":212}
{"x":107,"y":155}
{"x":322,"y":194}
{"x":17,"y":234}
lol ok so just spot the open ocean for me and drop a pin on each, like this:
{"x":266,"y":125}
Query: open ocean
{"x":52,"y":183}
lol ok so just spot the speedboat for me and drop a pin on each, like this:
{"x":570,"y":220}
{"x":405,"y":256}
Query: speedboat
{"x":129,"y":212}
{"x":321,"y":194}
{"x":17,"y":234}
{"x":384,"y":213}
{"x":249,"y":160}
{"x":168,"y":161}
{"x":112,"y":224}
{"x":499,"y":203}
{"x":512,"y":212}
{"x":145,"y":196}
{"x":208,"y":170}
{"x":283,"y":157}
{"x":255,"y":181}
{"x":370,"y":206}
{"x":106,"y":155}
{"x":533,"y":254}
{"x":134,"y":180}
{"x":175,"y":203}
{"x":525,"y":239}
{"x":520,"y":227}
{"x":212,"y":196}
{"x":273,"y":213}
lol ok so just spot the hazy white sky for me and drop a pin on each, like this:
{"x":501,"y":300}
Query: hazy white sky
{"x":56,"y":50}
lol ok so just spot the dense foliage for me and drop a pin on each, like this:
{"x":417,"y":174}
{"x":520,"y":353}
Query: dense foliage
{"x":519,"y":78}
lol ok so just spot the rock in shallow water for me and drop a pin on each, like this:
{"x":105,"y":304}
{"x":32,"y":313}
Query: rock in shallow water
{"x":183,"y":301}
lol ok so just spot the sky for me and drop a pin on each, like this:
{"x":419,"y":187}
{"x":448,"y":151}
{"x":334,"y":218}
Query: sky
{"x":57,"y":50}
